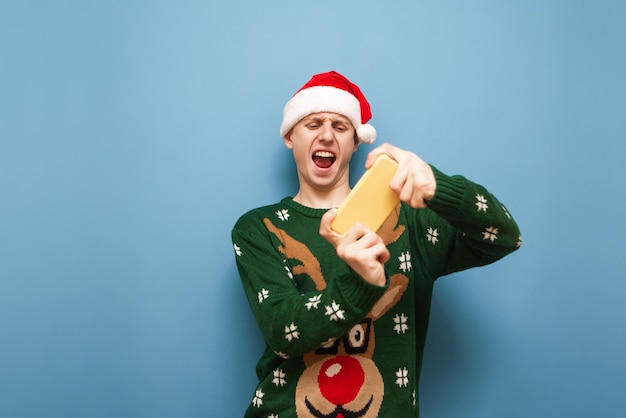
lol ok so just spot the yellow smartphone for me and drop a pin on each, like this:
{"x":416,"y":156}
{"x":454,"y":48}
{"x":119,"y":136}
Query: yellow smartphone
{"x":371,"y":200}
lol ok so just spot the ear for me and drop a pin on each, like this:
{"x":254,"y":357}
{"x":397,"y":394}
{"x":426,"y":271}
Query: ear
{"x":288,"y":141}
{"x":398,"y":283}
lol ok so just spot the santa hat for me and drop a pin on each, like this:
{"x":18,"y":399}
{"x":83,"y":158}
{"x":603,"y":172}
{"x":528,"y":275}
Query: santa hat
{"x":330,"y":92}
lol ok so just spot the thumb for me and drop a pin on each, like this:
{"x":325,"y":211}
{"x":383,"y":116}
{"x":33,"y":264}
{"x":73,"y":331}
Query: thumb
{"x":326,"y":230}
{"x":383,"y":149}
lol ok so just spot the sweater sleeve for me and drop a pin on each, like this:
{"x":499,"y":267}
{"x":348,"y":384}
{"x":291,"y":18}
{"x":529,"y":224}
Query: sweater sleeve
{"x":294,"y":323}
{"x":474,"y":226}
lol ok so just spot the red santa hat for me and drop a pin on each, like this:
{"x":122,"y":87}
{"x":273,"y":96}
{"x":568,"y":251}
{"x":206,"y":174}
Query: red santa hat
{"x":330,"y":92}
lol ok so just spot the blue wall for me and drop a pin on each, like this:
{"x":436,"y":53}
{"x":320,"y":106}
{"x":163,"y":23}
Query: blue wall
{"x":134,"y":133}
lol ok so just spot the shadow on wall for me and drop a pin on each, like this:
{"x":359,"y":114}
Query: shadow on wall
{"x":453,"y":356}
{"x":233,"y":377}
{"x":285,"y":170}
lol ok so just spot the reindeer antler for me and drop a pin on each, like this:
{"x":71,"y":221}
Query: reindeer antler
{"x":291,"y":248}
{"x":390,"y":231}
{"x":296,"y":250}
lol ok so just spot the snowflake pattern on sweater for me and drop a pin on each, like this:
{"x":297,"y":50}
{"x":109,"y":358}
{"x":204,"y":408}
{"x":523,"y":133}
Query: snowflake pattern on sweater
{"x":337,"y":345}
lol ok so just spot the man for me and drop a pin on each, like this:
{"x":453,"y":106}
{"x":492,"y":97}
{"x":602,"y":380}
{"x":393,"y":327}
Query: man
{"x":345,"y":316}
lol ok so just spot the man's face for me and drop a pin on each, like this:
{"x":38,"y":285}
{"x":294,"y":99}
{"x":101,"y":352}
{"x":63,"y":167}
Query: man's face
{"x":322,"y":145}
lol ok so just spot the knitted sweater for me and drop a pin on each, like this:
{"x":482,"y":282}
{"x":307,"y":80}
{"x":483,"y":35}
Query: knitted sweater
{"x":337,"y":346}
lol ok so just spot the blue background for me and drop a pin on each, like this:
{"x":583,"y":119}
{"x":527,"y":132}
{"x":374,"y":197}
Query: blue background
{"x":134,"y":133}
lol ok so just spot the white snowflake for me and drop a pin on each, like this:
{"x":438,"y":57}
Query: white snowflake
{"x":263,"y":294}
{"x":313,"y":302}
{"x":481,"y":203}
{"x":405,"y":261}
{"x":283,"y":214}
{"x":519,"y":240}
{"x":402,"y":377}
{"x":334,"y":311}
{"x":258,"y":398}
{"x":291,"y":332}
{"x":279,"y":378}
{"x":401,"y":325}
{"x":272,"y":416}
{"x":237,"y":250}
{"x":490,"y":233}
{"x":432,"y":235}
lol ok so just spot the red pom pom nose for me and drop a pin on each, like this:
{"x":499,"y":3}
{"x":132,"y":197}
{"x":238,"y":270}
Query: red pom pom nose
{"x":340,"y":379}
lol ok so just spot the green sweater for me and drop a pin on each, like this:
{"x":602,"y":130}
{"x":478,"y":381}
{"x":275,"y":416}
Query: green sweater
{"x":338,"y":346}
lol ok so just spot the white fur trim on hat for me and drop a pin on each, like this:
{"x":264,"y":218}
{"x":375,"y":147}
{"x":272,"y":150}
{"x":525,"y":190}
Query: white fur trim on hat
{"x":325,"y":99}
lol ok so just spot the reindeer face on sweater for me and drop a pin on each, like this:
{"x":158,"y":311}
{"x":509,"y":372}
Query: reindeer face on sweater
{"x":340,"y":379}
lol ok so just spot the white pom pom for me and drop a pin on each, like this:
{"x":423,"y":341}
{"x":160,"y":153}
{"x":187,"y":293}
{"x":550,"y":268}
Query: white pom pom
{"x":366,"y":133}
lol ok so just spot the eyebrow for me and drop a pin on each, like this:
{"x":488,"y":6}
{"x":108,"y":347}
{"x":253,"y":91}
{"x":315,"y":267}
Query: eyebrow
{"x":332,"y":118}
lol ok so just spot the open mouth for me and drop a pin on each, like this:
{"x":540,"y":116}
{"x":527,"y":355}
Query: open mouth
{"x":323,"y":159}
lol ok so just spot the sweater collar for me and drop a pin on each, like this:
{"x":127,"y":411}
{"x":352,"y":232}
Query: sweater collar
{"x":304,"y":210}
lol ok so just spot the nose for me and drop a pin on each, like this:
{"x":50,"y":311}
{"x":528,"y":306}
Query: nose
{"x":326,"y":131}
{"x":340,"y":379}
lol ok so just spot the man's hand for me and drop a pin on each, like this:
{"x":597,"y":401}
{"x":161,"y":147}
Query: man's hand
{"x":414,"y":180}
{"x":360,"y":248}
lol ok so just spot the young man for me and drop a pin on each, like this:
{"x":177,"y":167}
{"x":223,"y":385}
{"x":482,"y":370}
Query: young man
{"x":345,"y":316}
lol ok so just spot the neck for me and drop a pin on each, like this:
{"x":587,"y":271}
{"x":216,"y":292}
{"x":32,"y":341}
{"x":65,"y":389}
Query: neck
{"x":322,"y":199}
